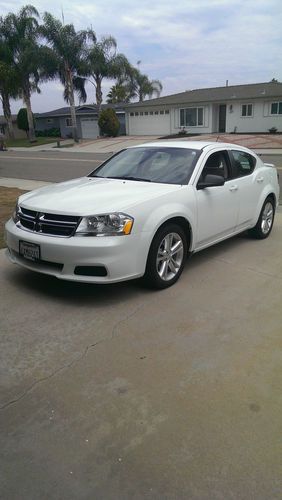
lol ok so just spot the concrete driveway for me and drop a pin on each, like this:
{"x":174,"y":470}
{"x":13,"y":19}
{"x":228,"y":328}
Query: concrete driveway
{"x":120,"y":393}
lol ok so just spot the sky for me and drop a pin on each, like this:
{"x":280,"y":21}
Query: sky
{"x":186,"y":44}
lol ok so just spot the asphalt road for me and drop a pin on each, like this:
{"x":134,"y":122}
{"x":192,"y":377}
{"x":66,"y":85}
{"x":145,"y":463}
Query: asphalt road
{"x":48,"y":166}
{"x":57,"y":166}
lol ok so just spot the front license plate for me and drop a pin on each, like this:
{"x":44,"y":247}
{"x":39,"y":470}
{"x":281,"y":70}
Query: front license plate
{"x":29,"y":251}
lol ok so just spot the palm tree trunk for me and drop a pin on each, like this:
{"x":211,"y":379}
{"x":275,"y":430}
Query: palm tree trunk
{"x":31,"y":132}
{"x":7,"y":114}
{"x":72,"y":106}
{"x":99,"y":94}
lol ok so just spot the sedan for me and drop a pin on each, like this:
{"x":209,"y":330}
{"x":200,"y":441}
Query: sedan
{"x":143,"y":211}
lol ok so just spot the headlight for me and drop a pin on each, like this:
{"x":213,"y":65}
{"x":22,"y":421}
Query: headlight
{"x":16,"y":213}
{"x":114,"y":224}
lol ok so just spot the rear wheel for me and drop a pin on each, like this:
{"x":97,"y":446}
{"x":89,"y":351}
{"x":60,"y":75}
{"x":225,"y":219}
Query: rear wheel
{"x":265,"y":221}
{"x":166,"y":257}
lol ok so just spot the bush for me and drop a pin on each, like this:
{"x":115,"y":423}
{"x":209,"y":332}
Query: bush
{"x":272,"y":130}
{"x":22,"y":121}
{"x":51,"y":132}
{"x":108,"y":122}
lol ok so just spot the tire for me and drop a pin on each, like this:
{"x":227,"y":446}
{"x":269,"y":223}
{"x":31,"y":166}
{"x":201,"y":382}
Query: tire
{"x":163,"y":267}
{"x":265,"y":221}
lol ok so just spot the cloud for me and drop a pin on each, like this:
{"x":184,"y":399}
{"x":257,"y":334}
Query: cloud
{"x":188,"y":44}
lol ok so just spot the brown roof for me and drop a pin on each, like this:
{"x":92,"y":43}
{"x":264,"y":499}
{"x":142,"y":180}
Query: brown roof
{"x":217,"y":94}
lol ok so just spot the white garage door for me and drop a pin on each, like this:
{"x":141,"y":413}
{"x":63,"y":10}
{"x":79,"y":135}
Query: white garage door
{"x":89,"y":128}
{"x":149,"y":124}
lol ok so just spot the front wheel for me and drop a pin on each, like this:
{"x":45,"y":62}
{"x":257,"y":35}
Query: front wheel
{"x":265,"y":221}
{"x":166,"y":257}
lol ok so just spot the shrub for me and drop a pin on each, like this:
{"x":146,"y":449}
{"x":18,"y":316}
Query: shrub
{"x":51,"y":132}
{"x":272,"y":130}
{"x":108,"y":122}
{"x":22,"y":121}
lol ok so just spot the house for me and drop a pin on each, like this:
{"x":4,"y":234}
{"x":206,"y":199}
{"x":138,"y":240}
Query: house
{"x":19,"y":134}
{"x":86,"y":117}
{"x":237,"y":108}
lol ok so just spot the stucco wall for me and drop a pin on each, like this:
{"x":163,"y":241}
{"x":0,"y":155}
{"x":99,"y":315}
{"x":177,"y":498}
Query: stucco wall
{"x":42,"y":124}
{"x":261,"y":121}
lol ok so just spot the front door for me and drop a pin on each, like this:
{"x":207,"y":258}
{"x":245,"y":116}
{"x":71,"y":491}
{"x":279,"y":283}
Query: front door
{"x":217,"y":207}
{"x":222,"y":118}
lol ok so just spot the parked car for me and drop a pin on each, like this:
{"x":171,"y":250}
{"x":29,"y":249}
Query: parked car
{"x":143,"y":211}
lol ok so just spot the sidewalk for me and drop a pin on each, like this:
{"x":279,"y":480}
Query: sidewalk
{"x":25,"y":184}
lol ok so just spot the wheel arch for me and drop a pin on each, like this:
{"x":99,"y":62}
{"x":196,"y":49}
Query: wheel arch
{"x":183,"y":223}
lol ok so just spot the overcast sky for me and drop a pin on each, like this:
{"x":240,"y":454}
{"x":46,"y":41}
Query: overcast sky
{"x":186,"y":44}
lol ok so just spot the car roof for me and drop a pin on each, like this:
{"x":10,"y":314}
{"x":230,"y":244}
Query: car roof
{"x":198,"y":145}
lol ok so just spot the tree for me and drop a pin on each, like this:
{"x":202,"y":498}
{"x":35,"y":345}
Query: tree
{"x":108,"y":122}
{"x":31,"y":61}
{"x":119,"y":92}
{"x":8,"y":90}
{"x":141,"y":86}
{"x":69,"y":51}
{"x":104,"y":62}
{"x":22,"y":120}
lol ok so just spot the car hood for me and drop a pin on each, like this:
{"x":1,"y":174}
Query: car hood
{"x":90,"y":195}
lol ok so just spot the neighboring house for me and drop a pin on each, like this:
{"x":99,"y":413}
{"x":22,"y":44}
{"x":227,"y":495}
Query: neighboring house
{"x":86,"y":117}
{"x":19,"y":134}
{"x":237,"y":108}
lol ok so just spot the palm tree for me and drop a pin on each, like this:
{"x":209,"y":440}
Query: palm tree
{"x":29,"y":59}
{"x":104,"y":62}
{"x":119,"y":92}
{"x":141,"y":86}
{"x":7,"y":91}
{"x":8,"y":83}
{"x":69,"y":50}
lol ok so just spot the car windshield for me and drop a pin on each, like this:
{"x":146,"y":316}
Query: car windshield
{"x":169,"y":165}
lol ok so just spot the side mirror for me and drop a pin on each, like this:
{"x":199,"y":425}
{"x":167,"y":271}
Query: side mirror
{"x":211,"y":181}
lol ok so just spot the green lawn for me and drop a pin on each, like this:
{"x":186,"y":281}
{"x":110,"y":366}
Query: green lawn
{"x":24,"y":143}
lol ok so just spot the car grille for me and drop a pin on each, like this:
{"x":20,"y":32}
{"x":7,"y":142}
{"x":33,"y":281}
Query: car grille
{"x":49,"y":224}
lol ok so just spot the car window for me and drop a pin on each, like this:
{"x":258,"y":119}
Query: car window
{"x":216,"y":164}
{"x":244,"y":163}
{"x":170,"y":165}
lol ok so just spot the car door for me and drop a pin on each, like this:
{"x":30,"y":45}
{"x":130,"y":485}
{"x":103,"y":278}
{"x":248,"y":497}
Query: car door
{"x":249,"y":182}
{"x":217,"y":207}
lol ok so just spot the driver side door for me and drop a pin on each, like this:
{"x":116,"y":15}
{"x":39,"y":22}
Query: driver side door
{"x":217,"y":207}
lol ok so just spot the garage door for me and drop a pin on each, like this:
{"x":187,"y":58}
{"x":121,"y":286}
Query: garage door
{"x":149,"y":124}
{"x":89,"y":128}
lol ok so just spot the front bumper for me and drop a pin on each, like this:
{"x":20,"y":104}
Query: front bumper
{"x":123,"y":257}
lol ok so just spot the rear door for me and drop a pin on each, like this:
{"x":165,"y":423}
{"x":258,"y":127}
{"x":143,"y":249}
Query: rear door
{"x":249,"y":182}
{"x":217,"y":207}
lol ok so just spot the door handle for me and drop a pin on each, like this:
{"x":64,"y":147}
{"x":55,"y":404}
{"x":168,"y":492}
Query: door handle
{"x":233,"y":188}
{"x":260,"y":179}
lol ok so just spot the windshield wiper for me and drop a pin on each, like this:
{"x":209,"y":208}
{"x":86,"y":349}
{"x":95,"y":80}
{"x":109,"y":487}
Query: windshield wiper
{"x":129,"y":178}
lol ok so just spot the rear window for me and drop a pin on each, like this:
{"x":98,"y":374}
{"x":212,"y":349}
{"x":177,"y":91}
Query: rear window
{"x":244,"y":163}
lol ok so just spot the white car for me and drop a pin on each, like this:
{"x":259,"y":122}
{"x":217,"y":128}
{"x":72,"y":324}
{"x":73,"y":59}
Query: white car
{"x":143,"y":211}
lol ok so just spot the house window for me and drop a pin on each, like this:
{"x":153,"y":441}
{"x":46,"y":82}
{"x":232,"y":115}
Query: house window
{"x":131,"y":114}
{"x":141,"y":113}
{"x":156,"y":112}
{"x":68,"y":122}
{"x":167,"y":111}
{"x":192,"y":117}
{"x":276,"y":108}
{"x":146,"y":113}
{"x":151,"y":112}
{"x":247,"y":110}
{"x":162,"y":112}
{"x":50,"y":120}
{"x":136,"y":113}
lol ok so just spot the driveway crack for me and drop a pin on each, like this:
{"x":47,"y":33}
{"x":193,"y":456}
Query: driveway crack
{"x":66,"y":366}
